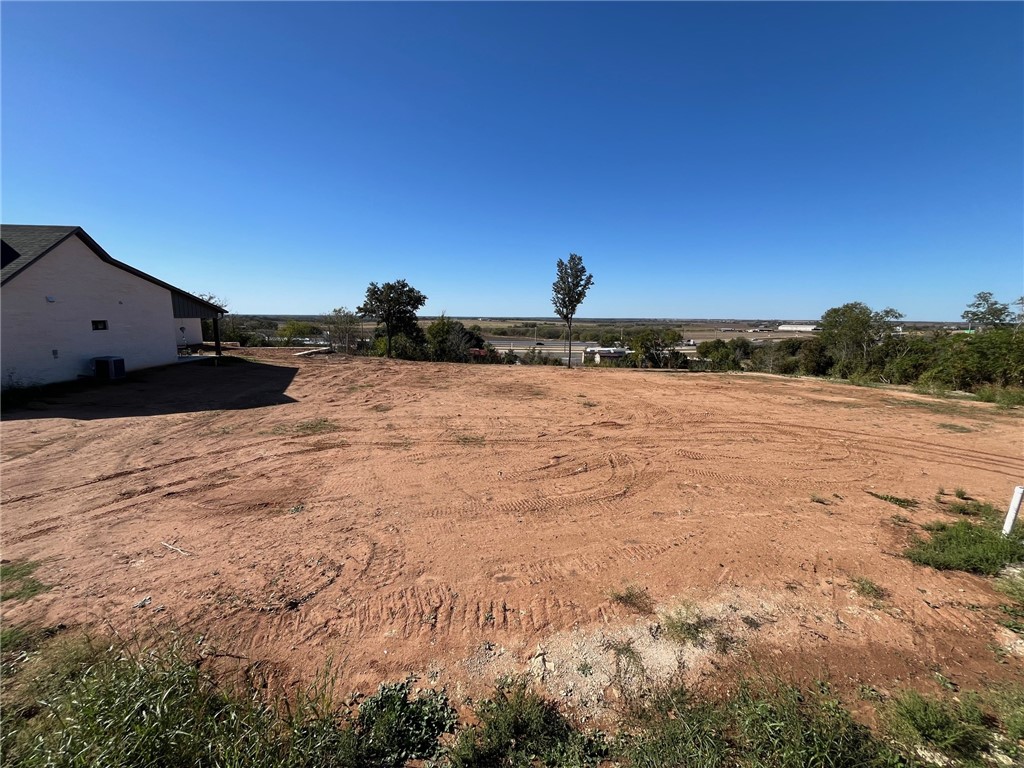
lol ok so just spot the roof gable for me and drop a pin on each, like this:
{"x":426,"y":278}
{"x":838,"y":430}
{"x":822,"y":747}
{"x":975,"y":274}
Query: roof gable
{"x":24,"y":244}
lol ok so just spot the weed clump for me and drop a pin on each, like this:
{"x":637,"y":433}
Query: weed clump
{"x":899,"y":501}
{"x":687,"y":627}
{"x":867,"y":588}
{"x":315,"y":427}
{"x":635,"y":598}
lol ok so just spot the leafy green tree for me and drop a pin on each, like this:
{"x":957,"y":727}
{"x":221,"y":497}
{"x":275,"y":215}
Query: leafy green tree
{"x":985,"y":312}
{"x":394,"y":305}
{"x":719,"y":354}
{"x":741,"y":347}
{"x":450,"y":341}
{"x":342,"y":326}
{"x":568,"y":291}
{"x":814,"y":357}
{"x":297,"y":329}
{"x":851,"y":331}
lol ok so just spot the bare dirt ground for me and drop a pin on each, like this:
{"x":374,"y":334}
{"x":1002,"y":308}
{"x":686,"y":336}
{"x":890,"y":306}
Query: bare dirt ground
{"x":460,"y":523}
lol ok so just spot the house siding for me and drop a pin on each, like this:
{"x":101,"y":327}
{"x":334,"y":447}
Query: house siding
{"x":83,"y":288}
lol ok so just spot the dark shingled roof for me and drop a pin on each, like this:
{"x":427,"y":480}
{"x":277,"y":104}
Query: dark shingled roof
{"x":24,"y":244}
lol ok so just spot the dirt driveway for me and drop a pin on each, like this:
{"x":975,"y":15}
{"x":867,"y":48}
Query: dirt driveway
{"x":463,"y":522}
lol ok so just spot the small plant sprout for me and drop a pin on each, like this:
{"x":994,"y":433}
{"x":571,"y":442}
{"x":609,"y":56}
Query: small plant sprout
{"x":687,"y":626}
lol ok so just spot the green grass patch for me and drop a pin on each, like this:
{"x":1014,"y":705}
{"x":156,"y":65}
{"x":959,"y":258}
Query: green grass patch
{"x":465,"y":438}
{"x":762,"y":725}
{"x":897,"y":500}
{"x":17,"y":581}
{"x":957,"y":729}
{"x":966,"y":546}
{"x":635,"y":598}
{"x":1007,"y":397}
{"x":91,"y":705}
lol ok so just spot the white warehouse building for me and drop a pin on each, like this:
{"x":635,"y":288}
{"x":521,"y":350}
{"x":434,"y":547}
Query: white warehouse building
{"x":66,"y":302}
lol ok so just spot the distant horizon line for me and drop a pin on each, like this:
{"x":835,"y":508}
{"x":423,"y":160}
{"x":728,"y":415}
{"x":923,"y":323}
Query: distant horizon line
{"x":554,"y":319}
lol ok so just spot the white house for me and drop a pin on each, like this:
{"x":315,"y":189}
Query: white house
{"x":65,"y":302}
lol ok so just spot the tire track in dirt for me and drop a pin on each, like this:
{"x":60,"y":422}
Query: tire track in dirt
{"x":619,"y":478}
{"x":443,"y":611}
{"x":874,"y":443}
{"x":874,"y":438}
{"x":606,"y":555}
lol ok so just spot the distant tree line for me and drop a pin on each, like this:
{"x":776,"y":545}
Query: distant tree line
{"x":855,"y":342}
{"x":867,"y":346}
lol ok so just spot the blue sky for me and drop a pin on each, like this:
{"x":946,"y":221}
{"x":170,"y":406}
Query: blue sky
{"x":705,"y":159}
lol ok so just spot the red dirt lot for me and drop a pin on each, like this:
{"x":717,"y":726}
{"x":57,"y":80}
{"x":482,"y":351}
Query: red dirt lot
{"x":462,"y":522}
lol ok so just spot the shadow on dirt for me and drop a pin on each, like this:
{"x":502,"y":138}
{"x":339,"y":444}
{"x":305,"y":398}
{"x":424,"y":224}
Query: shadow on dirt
{"x":212,"y":384}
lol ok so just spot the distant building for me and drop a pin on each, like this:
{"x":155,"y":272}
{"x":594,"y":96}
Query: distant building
{"x":67,"y":302}
{"x":606,"y":353}
{"x":800,"y":328}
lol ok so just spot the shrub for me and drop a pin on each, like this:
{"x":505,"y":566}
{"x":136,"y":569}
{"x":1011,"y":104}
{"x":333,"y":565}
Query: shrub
{"x":518,"y":727}
{"x":393,"y":728}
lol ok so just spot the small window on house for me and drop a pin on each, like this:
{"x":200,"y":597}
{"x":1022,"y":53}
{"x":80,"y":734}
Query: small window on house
{"x":99,"y":325}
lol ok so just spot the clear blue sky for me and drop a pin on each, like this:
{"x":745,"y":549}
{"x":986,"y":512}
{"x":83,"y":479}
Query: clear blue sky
{"x":705,"y":160}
